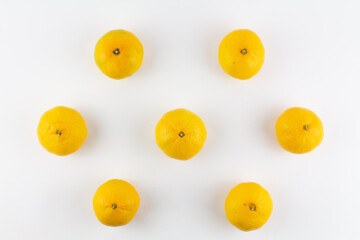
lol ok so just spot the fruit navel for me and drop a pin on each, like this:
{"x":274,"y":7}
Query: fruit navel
{"x":116,"y":51}
{"x":181,"y":134}
{"x":252,"y":207}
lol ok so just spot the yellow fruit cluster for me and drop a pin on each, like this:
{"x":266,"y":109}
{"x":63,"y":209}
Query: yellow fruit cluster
{"x":180,"y":133}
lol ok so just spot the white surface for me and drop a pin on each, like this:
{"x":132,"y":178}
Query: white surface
{"x":312,"y":60}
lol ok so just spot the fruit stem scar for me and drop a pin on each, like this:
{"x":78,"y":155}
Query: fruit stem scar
{"x":305,"y":127}
{"x":58,"y":132}
{"x":114,"y":206}
{"x":181,"y":134}
{"x":116,"y":51}
{"x":252,"y":207}
{"x":243,"y":51}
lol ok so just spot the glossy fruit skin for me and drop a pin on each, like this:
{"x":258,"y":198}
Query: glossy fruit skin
{"x":118,"y":192}
{"x":238,"y":205}
{"x":119,"y":54}
{"x":61,"y":130}
{"x":233,"y":61}
{"x":168,"y":131}
{"x":293,"y":136}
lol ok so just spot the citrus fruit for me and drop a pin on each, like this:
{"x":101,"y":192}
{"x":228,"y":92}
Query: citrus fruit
{"x":299,"y":130}
{"x":180,"y":134}
{"x":241,"y":54}
{"x":119,"y":54}
{"x":116,"y":202}
{"x":248,"y":206}
{"x":61,"y":130}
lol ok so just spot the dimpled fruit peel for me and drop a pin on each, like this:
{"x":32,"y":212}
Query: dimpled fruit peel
{"x":61,"y":130}
{"x":180,"y":134}
{"x":119,"y":54}
{"x":248,"y":206}
{"x":116,"y":202}
{"x":241,"y":54}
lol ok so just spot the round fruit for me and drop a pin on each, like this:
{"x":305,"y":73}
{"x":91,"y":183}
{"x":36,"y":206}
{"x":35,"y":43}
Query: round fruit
{"x":241,"y":54}
{"x":180,"y":134}
{"x":299,"y":130}
{"x":119,"y":54}
{"x":248,"y":206}
{"x":116,"y":202}
{"x":61,"y":130}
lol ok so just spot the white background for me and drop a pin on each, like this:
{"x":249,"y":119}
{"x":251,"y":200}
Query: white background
{"x":312,"y":61}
